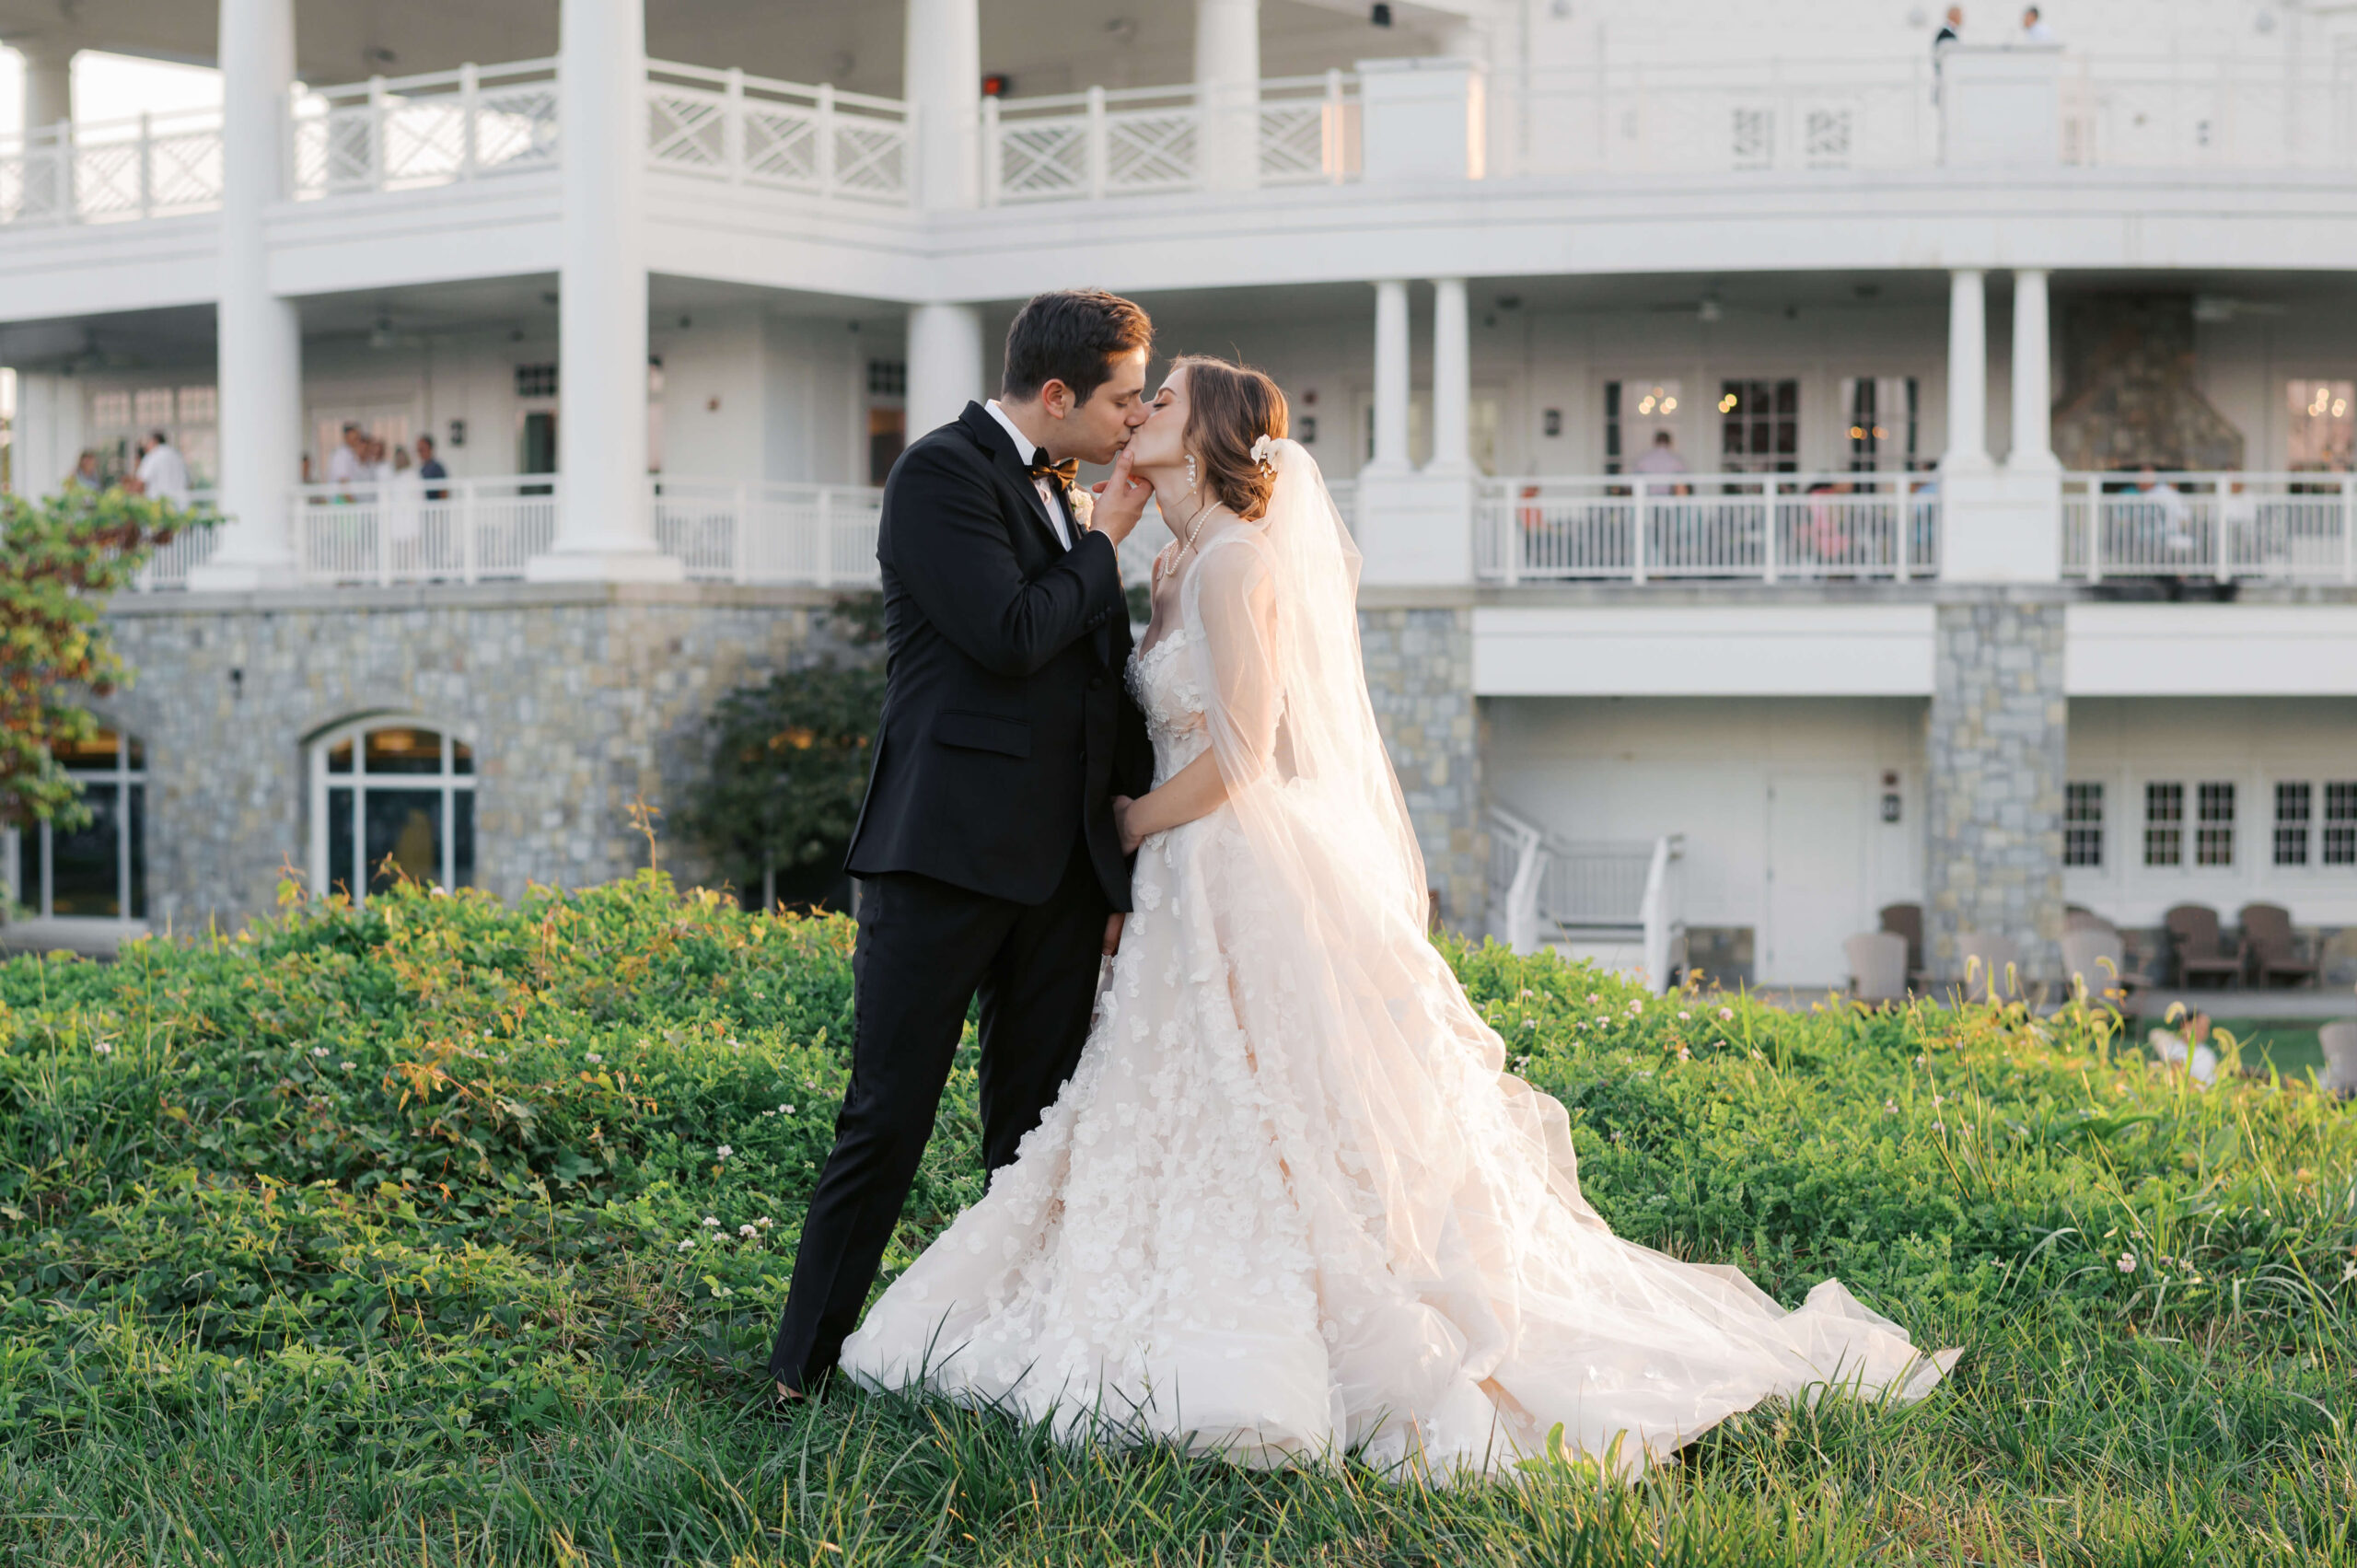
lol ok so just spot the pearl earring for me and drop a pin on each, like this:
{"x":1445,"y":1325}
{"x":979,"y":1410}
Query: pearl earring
{"x":1190,"y":471}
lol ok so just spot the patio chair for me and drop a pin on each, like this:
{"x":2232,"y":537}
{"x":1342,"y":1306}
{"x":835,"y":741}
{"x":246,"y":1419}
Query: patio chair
{"x":1877,"y":967}
{"x":1997,"y":974}
{"x":2266,"y":931}
{"x":2075,"y":918}
{"x":2340,"y":1075}
{"x":2200,"y":951}
{"x":2098,"y":957}
{"x":1906,"y":920}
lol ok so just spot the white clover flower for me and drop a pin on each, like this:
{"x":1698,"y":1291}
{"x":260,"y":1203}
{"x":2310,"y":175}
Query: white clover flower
{"x":1530,"y":1023}
{"x":1726,"y":1014}
{"x":104,"y":1047}
{"x":1890,"y":1108}
{"x":710,"y":1220}
{"x":748,"y":1231}
{"x":1939,"y":1126}
{"x":724,"y":1151}
{"x":1684,"y":1054}
{"x":689,"y":1245}
{"x":763,"y":1222}
{"x":1683,"y":1016}
{"x":347,"y":1066}
{"x":2128,"y":1262}
{"x":1527,"y":992}
{"x":594,"y":1057}
{"x":319,"y":1050}
{"x":1592,"y":996}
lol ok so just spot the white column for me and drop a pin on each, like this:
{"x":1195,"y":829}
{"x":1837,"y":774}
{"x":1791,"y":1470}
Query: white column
{"x":605,"y":527}
{"x":49,"y":84}
{"x":1451,"y":380}
{"x":1968,"y":373}
{"x":944,"y":365}
{"x":1390,"y":377}
{"x":942,"y":80}
{"x":1227,"y":74}
{"x":2033,"y":448}
{"x":260,"y":351}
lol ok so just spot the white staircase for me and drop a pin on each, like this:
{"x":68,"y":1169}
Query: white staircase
{"x":1614,"y":904}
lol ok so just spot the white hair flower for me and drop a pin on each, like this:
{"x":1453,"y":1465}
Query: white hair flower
{"x":1264,"y":452}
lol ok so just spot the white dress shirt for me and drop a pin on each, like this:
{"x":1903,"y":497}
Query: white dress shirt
{"x":163,"y":476}
{"x":1030,"y":454}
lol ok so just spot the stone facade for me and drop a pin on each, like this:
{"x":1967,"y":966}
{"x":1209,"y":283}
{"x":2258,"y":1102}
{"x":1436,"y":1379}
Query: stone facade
{"x":577,"y":700}
{"x":1419,"y":673}
{"x":1998,"y":724}
{"x":2128,"y":398}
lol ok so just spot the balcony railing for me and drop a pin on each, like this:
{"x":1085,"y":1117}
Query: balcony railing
{"x":817,"y":535}
{"x":1768,"y":526}
{"x":2222,"y":526}
{"x":742,"y":130}
{"x":460,"y":530}
{"x":405,"y":132}
{"x":112,"y":172}
{"x":1298,"y":130}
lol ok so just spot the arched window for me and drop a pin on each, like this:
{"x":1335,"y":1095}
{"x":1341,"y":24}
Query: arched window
{"x":391,"y":797}
{"x":98,"y":871}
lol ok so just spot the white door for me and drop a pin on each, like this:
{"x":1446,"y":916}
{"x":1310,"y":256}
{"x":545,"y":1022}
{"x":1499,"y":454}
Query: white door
{"x":1816,"y":850}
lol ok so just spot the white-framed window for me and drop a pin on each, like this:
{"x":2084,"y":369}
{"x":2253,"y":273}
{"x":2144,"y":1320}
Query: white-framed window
{"x":98,"y":871}
{"x":2164,"y":824}
{"x":2213,"y":833}
{"x":391,"y":796}
{"x":2082,"y":824}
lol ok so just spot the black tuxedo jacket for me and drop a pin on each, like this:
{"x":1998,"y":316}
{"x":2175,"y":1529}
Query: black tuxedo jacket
{"x":1007,"y":728}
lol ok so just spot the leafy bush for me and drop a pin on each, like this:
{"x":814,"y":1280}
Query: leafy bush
{"x":789,"y":768}
{"x":59,"y":560}
{"x":444,"y":1219}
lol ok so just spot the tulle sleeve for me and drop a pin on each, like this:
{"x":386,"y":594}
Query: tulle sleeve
{"x":1230,"y":602}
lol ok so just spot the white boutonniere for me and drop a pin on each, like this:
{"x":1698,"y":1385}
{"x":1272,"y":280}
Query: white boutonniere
{"x":1084,"y":504}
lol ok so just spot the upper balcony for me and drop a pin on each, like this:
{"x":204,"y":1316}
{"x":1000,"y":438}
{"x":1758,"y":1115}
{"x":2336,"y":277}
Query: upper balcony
{"x":1436,"y":153}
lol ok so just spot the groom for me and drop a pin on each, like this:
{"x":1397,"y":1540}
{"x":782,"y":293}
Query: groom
{"x":987,"y":854}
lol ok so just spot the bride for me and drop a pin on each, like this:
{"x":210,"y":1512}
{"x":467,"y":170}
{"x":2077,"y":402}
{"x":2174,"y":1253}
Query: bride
{"x":1290,"y":1203}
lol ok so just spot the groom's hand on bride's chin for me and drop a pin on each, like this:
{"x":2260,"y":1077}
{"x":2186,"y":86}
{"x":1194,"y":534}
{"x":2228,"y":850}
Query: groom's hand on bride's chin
{"x":1120,"y":501}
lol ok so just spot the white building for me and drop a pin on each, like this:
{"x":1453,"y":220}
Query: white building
{"x":668,"y":284}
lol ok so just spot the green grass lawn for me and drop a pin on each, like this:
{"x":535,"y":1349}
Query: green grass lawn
{"x":454,"y":1233}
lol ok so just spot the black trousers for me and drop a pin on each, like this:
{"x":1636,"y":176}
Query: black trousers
{"x":924,"y":949}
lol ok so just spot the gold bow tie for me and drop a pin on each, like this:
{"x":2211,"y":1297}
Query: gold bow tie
{"x":1064,"y":472}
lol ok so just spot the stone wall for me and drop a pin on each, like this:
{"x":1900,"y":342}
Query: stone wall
{"x":578,"y":700}
{"x":1996,"y":751}
{"x":1420,"y":672}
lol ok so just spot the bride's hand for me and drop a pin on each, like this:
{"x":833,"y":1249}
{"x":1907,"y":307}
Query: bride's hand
{"x":1130,"y":840}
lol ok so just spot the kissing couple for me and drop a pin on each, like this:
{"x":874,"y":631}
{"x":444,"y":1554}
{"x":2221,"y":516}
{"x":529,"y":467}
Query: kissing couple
{"x":1268,"y":1190}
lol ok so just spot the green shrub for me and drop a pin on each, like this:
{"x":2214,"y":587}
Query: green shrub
{"x":443,"y":1215}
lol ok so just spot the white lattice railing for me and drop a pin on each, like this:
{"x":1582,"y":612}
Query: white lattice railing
{"x":1771,"y":526}
{"x":747,"y":130}
{"x":403,"y":133}
{"x":2210,"y":109}
{"x":1294,"y":131}
{"x":819,"y":535}
{"x":111,"y":171}
{"x":2221,"y":526}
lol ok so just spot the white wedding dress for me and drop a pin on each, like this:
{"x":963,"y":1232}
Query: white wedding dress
{"x":1290,"y":1203}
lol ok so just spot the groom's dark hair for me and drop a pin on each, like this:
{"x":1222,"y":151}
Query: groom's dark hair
{"x":1071,"y":335}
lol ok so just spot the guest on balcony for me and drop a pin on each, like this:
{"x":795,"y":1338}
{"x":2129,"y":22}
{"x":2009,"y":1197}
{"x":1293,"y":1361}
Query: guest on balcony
{"x":429,"y":467}
{"x":348,"y":464}
{"x":163,"y":475}
{"x":1663,"y":458}
{"x":2035,"y":29}
{"x":86,"y":474}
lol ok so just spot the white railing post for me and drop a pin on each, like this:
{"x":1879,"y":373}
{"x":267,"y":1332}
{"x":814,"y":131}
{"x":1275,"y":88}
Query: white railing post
{"x":1770,"y":569}
{"x":826,"y":134}
{"x":2219,"y":526}
{"x":2094,"y":530}
{"x":1904,"y":522}
{"x":1642,"y":525}
{"x":463,"y":514}
{"x":64,"y":203}
{"x":823,"y":558}
{"x":1653,"y":913}
{"x":470,"y":119}
{"x":1333,"y":143}
{"x":1096,"y":139}
{"x":2349,"y":528}
{"x":146,"y":166}
{"x":732,"y":127}
{"x":376,"y":113}
{"x":988,"y":150}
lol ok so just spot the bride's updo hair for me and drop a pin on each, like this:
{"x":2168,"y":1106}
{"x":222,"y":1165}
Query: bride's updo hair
{"x":1229,"y":407}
